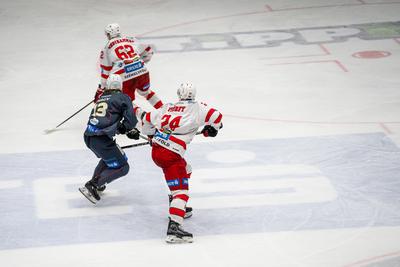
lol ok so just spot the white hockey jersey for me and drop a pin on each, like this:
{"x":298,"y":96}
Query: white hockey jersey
{"x":175,"y":125}
{"x":125,"y":56}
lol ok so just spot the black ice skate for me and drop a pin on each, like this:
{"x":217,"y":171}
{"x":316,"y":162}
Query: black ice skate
{"x":188,"y":210}
{"x":90,"y":192}
{"x":176,"y":235}
{"x":101,"y":188}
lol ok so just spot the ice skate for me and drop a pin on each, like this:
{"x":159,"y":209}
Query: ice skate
{"x":176,"y":235}
{"x":90,"y":192}
{"x":101,"y":188}
{"x":188,"y":210}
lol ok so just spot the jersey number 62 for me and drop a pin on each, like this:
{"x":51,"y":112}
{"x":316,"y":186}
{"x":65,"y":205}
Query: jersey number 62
{"x":125,"y":51}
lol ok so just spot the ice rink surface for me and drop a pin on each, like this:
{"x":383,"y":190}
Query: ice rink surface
{"x":305,"y":172}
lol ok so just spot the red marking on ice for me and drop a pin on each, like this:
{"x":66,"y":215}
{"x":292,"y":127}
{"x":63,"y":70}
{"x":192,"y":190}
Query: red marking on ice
{"x":360,"y":3}
{"x":204,"y":20}
{"x":382,"y":124}
{"x":362,"y":262}
{"x":371,"y":54}
{"x":269,"y":8}
{"x":323,"y":48}
{"x":385,"y":128}
{"x":337,"y":62}
{"x":326,"y":51}
{"x":340,"y":64}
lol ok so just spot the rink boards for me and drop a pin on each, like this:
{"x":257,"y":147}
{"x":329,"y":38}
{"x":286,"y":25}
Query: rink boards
{"x":310,"y":183}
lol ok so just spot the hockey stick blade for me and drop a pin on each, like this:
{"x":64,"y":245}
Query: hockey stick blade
{"x":49,"y":131}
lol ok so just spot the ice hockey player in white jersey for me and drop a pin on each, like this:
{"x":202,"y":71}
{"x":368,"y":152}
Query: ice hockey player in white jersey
{"x":127,"y":57}
{"x":172,"y":128}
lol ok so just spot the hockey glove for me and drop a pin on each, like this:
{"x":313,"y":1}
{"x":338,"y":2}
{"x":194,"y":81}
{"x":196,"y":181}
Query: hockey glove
{"x":150,"y":138}
{"x":209,"y":131}
{"x":121,"y":128}
{"x":98,"y":94}
{"x":133,"y":134}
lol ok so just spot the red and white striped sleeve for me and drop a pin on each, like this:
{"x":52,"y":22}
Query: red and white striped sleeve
{"x":148,"y":120}
{"x":147,"y":54}
{"x":105,"y":67}
{"x":152,"y":97}
{"x":210,"y":116}
{"x":145,"y":51}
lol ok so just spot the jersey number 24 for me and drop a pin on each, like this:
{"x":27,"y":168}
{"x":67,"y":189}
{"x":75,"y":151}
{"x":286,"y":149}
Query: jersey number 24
{"x":171,"y":123}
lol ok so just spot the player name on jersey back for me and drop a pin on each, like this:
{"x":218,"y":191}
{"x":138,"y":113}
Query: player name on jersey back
{"x":176,"y":109}
{"x":118,"y":41}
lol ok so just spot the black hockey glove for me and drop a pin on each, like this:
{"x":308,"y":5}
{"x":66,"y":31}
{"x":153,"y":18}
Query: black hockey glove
{"x":133,"y":134}
{"x":121,"y":128}
{"x":209,"y":131}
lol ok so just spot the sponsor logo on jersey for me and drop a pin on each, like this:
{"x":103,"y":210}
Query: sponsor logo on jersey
{"x":174,"y":182}
{"x":112,"y":163}
{"x":92,"y":129}
{"x":161,"y":135}
{"x":94,"y":121}
{"x":136,"y":73}
{"x":133,"y":67}
{"x":162,"y":141}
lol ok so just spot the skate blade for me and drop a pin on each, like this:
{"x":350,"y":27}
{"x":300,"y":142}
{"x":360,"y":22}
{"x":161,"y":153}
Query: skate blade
{"x":87,"y":194}
{"x":171,"y":239}
{"x":188,"y":215}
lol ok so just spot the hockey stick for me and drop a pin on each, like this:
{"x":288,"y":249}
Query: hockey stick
{"x":138,"y":144}
{"x":48,"y":131}
{"x":135,"y":145}
{"x":144,"y":143}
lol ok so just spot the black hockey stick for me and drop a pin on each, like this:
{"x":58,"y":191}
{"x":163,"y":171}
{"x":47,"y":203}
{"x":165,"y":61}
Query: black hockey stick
{"x":144,"y":143}
{"x":135,"y":145}
{"x":48,"y":131}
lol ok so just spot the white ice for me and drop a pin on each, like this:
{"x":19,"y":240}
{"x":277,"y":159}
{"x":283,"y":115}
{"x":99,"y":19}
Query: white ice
{"x":49,"y":69}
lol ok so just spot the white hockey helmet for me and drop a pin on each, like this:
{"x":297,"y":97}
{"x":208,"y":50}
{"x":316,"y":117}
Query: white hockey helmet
{"x":114,"y":82}
{"x":112,"y":30}
{"x":186,"y":91}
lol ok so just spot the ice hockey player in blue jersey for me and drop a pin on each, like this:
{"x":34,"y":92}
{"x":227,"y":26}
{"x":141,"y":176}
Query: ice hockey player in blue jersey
{"x":113,"y":114}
